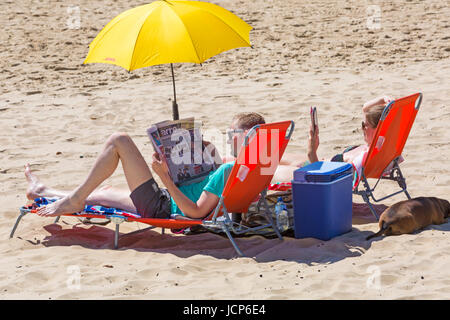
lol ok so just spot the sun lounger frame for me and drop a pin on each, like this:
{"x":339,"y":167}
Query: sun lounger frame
{"x":367,"y":192}
{"x":221,"y":217}
{"x":227,"y":225}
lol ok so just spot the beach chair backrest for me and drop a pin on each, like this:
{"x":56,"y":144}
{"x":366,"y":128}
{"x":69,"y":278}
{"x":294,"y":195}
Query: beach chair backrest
{"x":391,"y":134}
{"x":256,"y":163}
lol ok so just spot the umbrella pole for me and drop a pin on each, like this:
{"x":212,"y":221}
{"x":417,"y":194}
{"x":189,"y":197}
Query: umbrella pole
{"x":174,"y":102}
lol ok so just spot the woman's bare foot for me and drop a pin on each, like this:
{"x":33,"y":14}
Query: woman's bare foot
{"x":65,"y":205}
{"x":35,"y":188}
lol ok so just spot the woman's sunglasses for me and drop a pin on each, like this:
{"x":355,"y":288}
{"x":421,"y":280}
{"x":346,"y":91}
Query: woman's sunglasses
{"x":363,"y":125}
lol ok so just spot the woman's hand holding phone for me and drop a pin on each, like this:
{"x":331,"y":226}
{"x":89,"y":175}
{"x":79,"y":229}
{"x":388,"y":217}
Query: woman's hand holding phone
{"x":314,"y":121}
{"x":313,"y":141}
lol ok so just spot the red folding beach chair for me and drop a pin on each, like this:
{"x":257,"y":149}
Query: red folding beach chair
{"x":382,"y":159}
{"x":250,"y":176}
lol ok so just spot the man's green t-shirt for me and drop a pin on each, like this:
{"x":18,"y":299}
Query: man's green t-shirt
{"x":214,"y":183}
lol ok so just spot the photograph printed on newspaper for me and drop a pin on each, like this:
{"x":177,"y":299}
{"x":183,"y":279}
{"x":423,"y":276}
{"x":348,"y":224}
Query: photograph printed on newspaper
{"x":180,"y":144}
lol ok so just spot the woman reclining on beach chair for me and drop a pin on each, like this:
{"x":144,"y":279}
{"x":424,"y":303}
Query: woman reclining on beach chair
{"x":386,"y":127}
{"x":372,"y":111}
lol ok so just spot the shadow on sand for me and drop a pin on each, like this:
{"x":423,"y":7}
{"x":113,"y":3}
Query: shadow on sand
{"x":308,"y":250}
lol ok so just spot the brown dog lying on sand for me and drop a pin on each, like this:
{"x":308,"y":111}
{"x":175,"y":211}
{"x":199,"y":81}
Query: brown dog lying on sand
{"x":411,"y":215}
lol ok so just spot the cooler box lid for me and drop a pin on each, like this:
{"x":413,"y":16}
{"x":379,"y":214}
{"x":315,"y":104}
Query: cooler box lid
{"x":322,"y":171}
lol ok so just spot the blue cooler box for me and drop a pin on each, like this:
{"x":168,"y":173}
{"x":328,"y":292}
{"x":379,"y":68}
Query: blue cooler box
{"x":322,"y":199}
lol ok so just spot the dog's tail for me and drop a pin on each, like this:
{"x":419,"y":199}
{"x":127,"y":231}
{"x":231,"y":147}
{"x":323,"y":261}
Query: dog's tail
{"x":384,"y":227}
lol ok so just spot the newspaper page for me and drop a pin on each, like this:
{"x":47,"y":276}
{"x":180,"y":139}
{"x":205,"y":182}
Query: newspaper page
{"x":180,"y":144}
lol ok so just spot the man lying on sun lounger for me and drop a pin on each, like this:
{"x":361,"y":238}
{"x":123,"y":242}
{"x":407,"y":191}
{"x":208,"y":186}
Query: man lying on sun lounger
{"x":147,"y":198}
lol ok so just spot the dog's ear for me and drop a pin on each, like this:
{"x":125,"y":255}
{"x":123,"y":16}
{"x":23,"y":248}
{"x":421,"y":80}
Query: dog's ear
{"x":443,"y":206}
{"x":447,"y":205}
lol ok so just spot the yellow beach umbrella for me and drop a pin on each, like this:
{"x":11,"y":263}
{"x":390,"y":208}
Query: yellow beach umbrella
{"x":168,"y":32}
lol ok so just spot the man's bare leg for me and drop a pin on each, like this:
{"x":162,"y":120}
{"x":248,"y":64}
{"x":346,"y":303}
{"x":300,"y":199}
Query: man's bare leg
{"x":37,"y":189}
{"x":105,"y":196}
{"x":119,"y":146}
{"x":294,"y":159}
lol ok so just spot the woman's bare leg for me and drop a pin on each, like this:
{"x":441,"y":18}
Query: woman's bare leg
{"x":119,"y":146}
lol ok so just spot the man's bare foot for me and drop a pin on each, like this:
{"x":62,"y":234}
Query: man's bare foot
{"x":65,"y":205}
{"x":35,"y":188}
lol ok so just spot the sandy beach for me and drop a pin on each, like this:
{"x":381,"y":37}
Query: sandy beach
{"x":56,"y":114}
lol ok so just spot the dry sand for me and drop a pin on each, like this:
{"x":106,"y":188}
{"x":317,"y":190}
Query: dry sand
{"x":56,"y":114}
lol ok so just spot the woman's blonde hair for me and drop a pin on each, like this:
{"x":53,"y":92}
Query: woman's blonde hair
{"x":374,"y":114}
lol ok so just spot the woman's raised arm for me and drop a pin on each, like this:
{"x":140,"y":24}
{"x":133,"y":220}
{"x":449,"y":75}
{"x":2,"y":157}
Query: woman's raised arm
{"x":384,"y":100}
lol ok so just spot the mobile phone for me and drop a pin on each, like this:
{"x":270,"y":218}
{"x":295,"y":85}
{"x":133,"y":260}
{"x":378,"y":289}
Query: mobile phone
{"x":314,"y":121}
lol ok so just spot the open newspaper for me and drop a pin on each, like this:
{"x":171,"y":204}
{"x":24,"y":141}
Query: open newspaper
{"x":180,"y":144}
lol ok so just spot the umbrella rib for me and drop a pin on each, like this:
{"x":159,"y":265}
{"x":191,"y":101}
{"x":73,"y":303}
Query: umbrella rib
{"x":190,"y":37}
{"x":233,"y":28}
{"x":123,"y":16}
{"x":225,"y":23}
{"x":135,"y":43}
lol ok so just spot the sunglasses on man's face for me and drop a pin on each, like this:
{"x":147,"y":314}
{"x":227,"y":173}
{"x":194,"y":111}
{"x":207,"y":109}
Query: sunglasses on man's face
{"x":363,"y":125}
{"x":232,"y":132}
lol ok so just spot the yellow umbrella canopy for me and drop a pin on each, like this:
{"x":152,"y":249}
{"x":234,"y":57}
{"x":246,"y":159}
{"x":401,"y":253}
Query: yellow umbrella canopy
{"x":168,"y":32}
